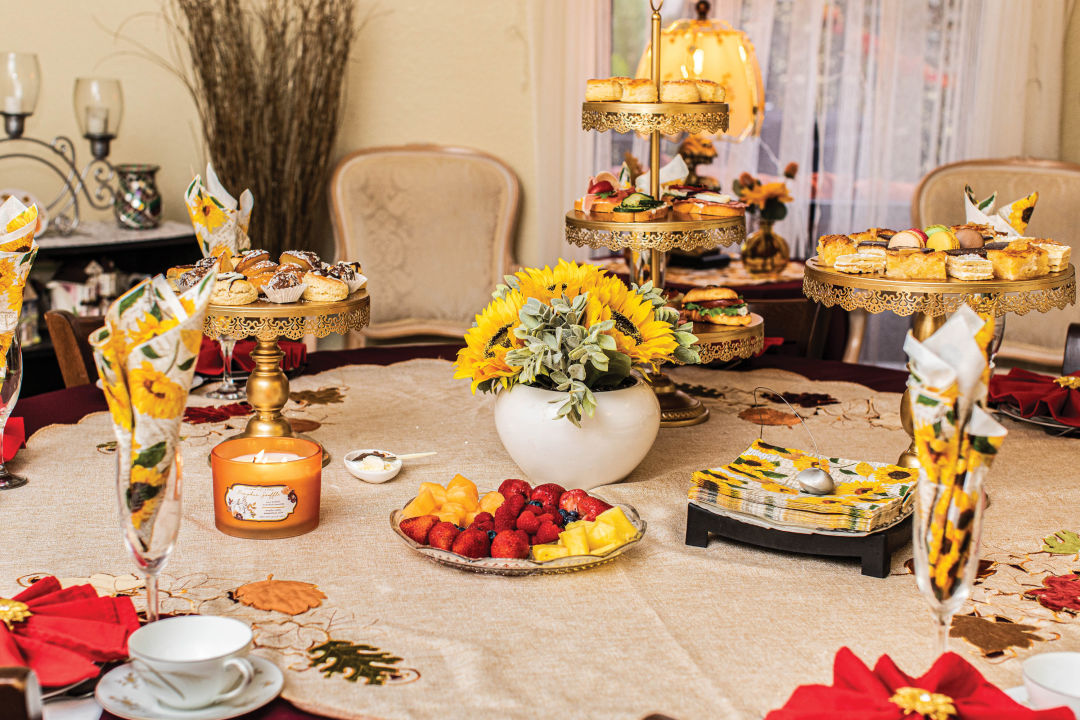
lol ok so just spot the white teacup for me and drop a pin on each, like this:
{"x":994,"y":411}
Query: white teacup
{"x":193,"y":661}
{"x":1053,"y":680}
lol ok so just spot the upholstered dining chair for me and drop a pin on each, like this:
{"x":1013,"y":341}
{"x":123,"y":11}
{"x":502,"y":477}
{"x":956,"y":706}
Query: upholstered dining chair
{"x":433,"y":227}
{"x":70,"y":335}
{"x":1035,"y":337}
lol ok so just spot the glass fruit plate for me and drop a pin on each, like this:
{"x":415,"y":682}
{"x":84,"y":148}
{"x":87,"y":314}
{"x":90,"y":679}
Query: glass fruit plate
{"x":515,"y":566}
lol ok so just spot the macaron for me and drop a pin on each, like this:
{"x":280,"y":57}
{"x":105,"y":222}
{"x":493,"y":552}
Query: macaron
{"x":969,"y":238}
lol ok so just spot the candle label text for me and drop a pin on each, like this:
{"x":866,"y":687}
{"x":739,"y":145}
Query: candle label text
{"x":260,"y":503}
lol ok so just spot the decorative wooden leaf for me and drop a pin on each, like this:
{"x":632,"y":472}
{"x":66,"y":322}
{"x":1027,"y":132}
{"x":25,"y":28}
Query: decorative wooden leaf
{"x":322,"y":396}
{"x":1059,"y":592}
{"x":806,"y":400}
{"x":291,"y":597}
{"x":353,"y":662}
{"x":993,"y":636}
{"x":1063,"y":542}
{"x":768,"y":416}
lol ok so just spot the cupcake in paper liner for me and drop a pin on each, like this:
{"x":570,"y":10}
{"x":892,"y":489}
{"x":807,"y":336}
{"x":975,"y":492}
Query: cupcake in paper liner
{"x":286,"y":286}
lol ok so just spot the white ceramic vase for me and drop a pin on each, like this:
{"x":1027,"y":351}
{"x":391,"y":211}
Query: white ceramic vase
{"x":604,"y":449}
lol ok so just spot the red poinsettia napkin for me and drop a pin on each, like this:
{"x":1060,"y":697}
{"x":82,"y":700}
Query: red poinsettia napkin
{"x":886,"y":693}
{"x":210,"y":361}
{"x":1037,"y":394}
{"x":61,"y":632}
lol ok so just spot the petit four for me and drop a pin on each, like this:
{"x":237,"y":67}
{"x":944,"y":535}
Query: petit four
{"x":285,"y":286}
{"x":603,"y":90}
{"x":873,"y":234}
{"x":1021,"y":260}
{"x":915,"y":264}
{"x":860,"y":263}
{"x":969,"y":264}
{"x":830,"y":247}
{"x":1058,"y":253}
{"x":872,"y":248}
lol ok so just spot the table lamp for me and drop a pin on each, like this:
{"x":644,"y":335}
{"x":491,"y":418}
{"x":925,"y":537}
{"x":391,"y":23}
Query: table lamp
{"x":713,"y":50}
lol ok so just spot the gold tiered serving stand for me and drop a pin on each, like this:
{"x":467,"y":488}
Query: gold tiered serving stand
{"x":267,"y":322}
{"x":648,"y":242}
{"x":930,"y":301}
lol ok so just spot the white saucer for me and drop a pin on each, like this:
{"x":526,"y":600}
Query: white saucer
{"x":1019,"y":694}
{"x":122,"y":693}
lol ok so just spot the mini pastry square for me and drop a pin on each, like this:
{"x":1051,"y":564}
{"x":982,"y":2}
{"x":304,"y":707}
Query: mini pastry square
{"x":859,"y":263}
{"x":970,"y":266}
{"x":603,"y":90}
{"x":915,"y":264}
{"x":1021,"y":260}
{"x":1058,"y":253}
{"x":831,"y":247}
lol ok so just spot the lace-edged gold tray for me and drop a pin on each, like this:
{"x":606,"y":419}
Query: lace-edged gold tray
{"x":877,"y":293}
{"x":668,"y":118}
{"x":682,"y":233}
{"x":720,"y":343}
{"x":267,"y":321}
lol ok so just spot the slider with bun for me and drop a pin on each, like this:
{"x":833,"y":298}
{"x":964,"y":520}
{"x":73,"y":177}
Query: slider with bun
{"x":716,"y":305}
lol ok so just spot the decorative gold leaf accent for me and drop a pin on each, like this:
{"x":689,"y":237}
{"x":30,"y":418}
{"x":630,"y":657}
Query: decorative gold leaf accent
{"x":322,"y":396}
{"x":13,"y":611}
{"x":768,"y":416}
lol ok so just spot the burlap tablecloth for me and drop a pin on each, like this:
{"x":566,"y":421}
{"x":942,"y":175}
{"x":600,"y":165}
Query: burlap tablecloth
{"x":723,"y":632}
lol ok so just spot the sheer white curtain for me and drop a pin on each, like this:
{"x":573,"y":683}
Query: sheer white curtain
{"x":569,"y":42}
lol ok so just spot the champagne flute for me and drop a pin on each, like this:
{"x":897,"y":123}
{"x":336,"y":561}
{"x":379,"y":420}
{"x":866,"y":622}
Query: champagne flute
{"x":9,"y":391}
{"x":150,"y":510}
{"x":228,"y":389}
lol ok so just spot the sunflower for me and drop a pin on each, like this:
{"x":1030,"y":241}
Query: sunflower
{"x":765,"y":447}
{"x":23,"y":219}
{"x":567,"y":278}
{"x":119,"y":403}
{"x":207,"y":212}
{"x":892,"y":474}
{"x":761,"y":194}
{"x":637,"y":332}
{"x":1021,"y":210}
{"x":192,"y":340}
{"x":752,"y":466}
{"x":149,"y":326}
{"x":154,"y":394}
{"x":865,"y":469}
{"x":862,"y":489}
{"x":484,"y":356}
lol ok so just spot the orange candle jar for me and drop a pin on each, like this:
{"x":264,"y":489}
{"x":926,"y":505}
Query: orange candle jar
{"x":273,"y":495}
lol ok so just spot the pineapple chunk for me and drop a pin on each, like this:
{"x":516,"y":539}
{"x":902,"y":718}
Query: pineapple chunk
{"x":543,"y":553}
{"x":491,"y":501}
{"x":601,"y":534}
{"x":575,"y":540}
{"x":469,"y":517}
{"x":624,"y":529}
{"x":606,"y":548}
{"x":576,"y":523}
{"x":438,"y":492}
{"x":422,"y":504}
{"x":463,"y":496}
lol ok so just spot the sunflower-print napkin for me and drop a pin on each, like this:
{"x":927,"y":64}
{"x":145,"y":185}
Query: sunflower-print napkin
{"x":220,"y":222}
{"x":761,"y":482}
{"x":146,"y":355}
{"x":18,"y":249}
{"x":1011,"y":219}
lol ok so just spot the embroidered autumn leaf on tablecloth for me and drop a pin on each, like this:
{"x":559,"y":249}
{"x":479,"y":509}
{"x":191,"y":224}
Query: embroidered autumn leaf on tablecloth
{"x":322,"y":396}
{"x":353,"y":662}
{"x":291,"y":597}
{"x":768,"y":416}
{"x":1059,"y":593}
{"x":1063,"y":542}
{"x":993,"y":636}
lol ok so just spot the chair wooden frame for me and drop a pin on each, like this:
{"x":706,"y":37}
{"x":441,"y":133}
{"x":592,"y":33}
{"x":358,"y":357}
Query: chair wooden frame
{"x":502,"y":263}
{"x":70,"y":338}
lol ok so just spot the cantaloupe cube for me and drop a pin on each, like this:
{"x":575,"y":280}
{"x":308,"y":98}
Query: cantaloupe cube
{"x":543,"y":553}
{"x":422,"y":504}
{"x":438,"y":492}
{"x":491,"y":501}
{"x":624,"y":529}
{"x":575,"y":540}
{"x":463,"y":496}
{"x":461,"y":481}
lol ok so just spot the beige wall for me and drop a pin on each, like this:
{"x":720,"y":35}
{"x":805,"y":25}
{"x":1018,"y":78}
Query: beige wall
{"x":439,"y":71}
{"x":1070,"y":105}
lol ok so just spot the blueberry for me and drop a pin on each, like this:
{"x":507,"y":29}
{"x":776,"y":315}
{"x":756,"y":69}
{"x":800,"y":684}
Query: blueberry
{"x":537,"y":503}
{"x":491,"y":534}
{"x":573,"y":517}
{"x":565,"y":515}
{"x":460,"y":529}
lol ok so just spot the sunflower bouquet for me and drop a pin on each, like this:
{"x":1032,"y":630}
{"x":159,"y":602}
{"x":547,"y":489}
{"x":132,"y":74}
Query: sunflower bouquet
{"x":770,"y":199}
{"x":571,"y":329}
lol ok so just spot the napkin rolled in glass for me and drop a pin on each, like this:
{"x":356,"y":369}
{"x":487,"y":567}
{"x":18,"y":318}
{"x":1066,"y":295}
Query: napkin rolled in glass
{"x":146,"y":356}
{"x":956,"y":442}
{"x":11,"y":383}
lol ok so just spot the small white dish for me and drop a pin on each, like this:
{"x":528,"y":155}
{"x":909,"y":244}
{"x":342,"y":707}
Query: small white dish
{"x":356,"y":468}
{"x":125,"y":695}
{"x":1053,"y":680}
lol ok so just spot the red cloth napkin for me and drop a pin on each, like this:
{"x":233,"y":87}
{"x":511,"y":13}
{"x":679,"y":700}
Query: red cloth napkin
{"x":67,"y":632}
{"x":1037,"y":394}
{"x":857,"y":693}
{"x":215,"y":413}
{"x":14,"y":437}
{"x":210,"y":361}
{"x":770,"y":342}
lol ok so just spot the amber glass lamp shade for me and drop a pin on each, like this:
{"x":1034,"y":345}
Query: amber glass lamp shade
{"x":713,"y":50}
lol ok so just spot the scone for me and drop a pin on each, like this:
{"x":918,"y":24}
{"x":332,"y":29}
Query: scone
{"x":602,"y":90}
{"x":346,"y":273}
{"x":709,"y":91}
{"x":969,"y":264}
{"x":915,"y":264}
{"x":830,"y":247}
{"x":233,"y":289}
{"x":304,"y":259}
{"x":1057,"y":253}
{"x":639,"y":91}
{"x":321,"y":288}
{"x":1021,"y":260}
{"x":679,"y":91}
{"x":860,"y":263}
{"x":249,"y":258}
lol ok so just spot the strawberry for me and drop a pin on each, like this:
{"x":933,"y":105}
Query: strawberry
{"x":555,"y":518}
{"x":509,"y":544}
{"x":548,"y":494}
{"x":515,"y":487}
{"x":528,"y":522}
{"x":484,"y":521}
{"x":523,"y":535}
{"x":591,"y":506}
{"x":472,"y":543}
{"x":548,"y":532}
{"x":443,"y":535}
{"x":515,"y":503}
{"x":533,"y":506}
{"x":570,"y":500}
{"x":418,"y":527}
{"x":505,"y":518}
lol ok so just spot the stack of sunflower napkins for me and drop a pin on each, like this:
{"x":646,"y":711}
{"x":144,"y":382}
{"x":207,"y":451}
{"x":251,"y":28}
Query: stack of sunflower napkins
{"x":761,"y":482}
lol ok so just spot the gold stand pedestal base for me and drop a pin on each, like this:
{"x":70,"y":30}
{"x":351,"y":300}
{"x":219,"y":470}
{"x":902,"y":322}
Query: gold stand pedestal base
{"x":677,"y":409}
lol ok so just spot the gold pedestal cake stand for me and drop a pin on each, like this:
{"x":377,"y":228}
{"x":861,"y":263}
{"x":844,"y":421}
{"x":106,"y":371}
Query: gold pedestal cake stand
{"x":648,"y":242}
{"x":267,"y":322}
{"x":930,"y":301}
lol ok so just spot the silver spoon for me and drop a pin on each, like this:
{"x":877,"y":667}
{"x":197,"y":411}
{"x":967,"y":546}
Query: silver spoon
{"x":812,"y":480}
